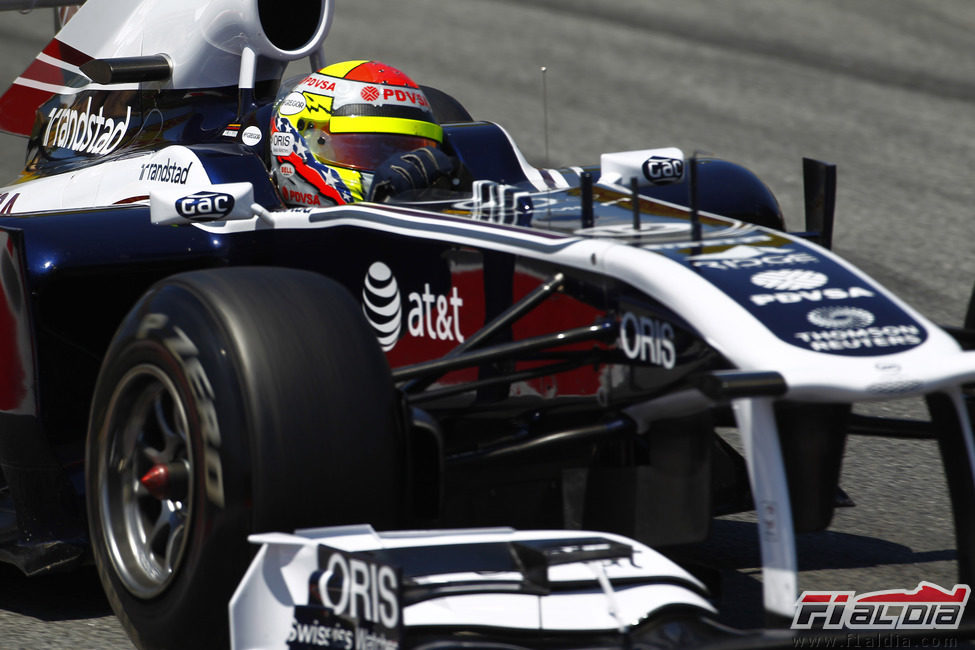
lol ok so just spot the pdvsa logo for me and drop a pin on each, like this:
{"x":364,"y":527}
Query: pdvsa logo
{"x":205,"y":206}
{"x":928,"y":607}
{"x":789,"y":279}
{"x":816,"y":295}
{"x":296,"y":196}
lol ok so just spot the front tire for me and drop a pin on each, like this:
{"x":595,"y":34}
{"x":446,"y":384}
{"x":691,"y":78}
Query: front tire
{"x":232,"y":401}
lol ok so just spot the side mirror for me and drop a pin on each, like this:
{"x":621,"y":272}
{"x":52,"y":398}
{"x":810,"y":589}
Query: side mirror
{"x":648,"y":166}
{"x":221,"y":202}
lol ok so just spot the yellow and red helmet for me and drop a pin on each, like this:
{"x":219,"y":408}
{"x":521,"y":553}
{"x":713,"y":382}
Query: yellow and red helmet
{"x":339,"y":124}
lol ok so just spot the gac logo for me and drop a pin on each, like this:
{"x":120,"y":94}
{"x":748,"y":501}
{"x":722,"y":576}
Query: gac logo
{"x":660,"y":170}
{"x":205,"y":205}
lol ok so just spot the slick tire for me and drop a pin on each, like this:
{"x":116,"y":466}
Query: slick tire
{"x":255,"y":399}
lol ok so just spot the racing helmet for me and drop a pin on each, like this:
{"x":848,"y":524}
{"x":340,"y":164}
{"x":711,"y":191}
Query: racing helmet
{"x":337,"y":125}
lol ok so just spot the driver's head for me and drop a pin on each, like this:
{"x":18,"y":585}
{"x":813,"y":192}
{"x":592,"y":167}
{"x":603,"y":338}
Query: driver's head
{"x":339,"y":124}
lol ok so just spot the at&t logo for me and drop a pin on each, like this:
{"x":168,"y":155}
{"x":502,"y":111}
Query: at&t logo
{"x":381,"y":304}
{"x":430,"y":315}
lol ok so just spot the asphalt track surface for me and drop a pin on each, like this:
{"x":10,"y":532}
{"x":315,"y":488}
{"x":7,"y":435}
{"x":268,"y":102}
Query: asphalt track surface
{"x":883,"y":88}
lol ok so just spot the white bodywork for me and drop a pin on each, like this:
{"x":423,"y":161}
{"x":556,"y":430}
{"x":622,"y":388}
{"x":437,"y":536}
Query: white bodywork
{"x":218,"y":32}
{"x":262,"y":608}
{"x":936,"y":365}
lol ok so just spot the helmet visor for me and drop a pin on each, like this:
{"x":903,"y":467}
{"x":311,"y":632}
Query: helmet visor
{"x":362,"y":151}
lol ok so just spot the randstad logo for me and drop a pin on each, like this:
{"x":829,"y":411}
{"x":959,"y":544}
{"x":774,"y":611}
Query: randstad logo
{"x":85,"y":131}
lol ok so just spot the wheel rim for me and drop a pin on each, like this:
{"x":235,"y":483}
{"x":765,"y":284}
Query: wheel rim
{"x":145,"y":523}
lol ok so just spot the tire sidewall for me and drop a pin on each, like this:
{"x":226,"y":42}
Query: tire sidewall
{"x":218,"y":525}
{"x":284,"y":366}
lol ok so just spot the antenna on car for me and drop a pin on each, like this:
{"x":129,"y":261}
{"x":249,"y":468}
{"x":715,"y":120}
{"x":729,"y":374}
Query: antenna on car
{"x":543,"y":70}
{"x":635,"y":200}
{"x":585,"y":196}
{"x":692,"y":189}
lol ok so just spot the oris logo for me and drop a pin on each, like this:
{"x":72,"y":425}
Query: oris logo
{"x":789,"y":279}
{"x":660,"y":170}
{"x":648,"y":340}
{"x":282,"y":144}
{"x":381,"y":304}
{"x":352,"y":586}
{"x":205,"y":206}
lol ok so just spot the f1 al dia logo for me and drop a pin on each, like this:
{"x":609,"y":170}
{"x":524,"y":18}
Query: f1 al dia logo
{"x":381,"y":304}
{"x":928,"y":607}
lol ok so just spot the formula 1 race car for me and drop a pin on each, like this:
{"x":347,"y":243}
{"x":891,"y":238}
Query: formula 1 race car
{"x":188,"y":361}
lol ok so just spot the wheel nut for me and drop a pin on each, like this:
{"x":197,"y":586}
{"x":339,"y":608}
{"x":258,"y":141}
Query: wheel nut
{"x":167,"y":481}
